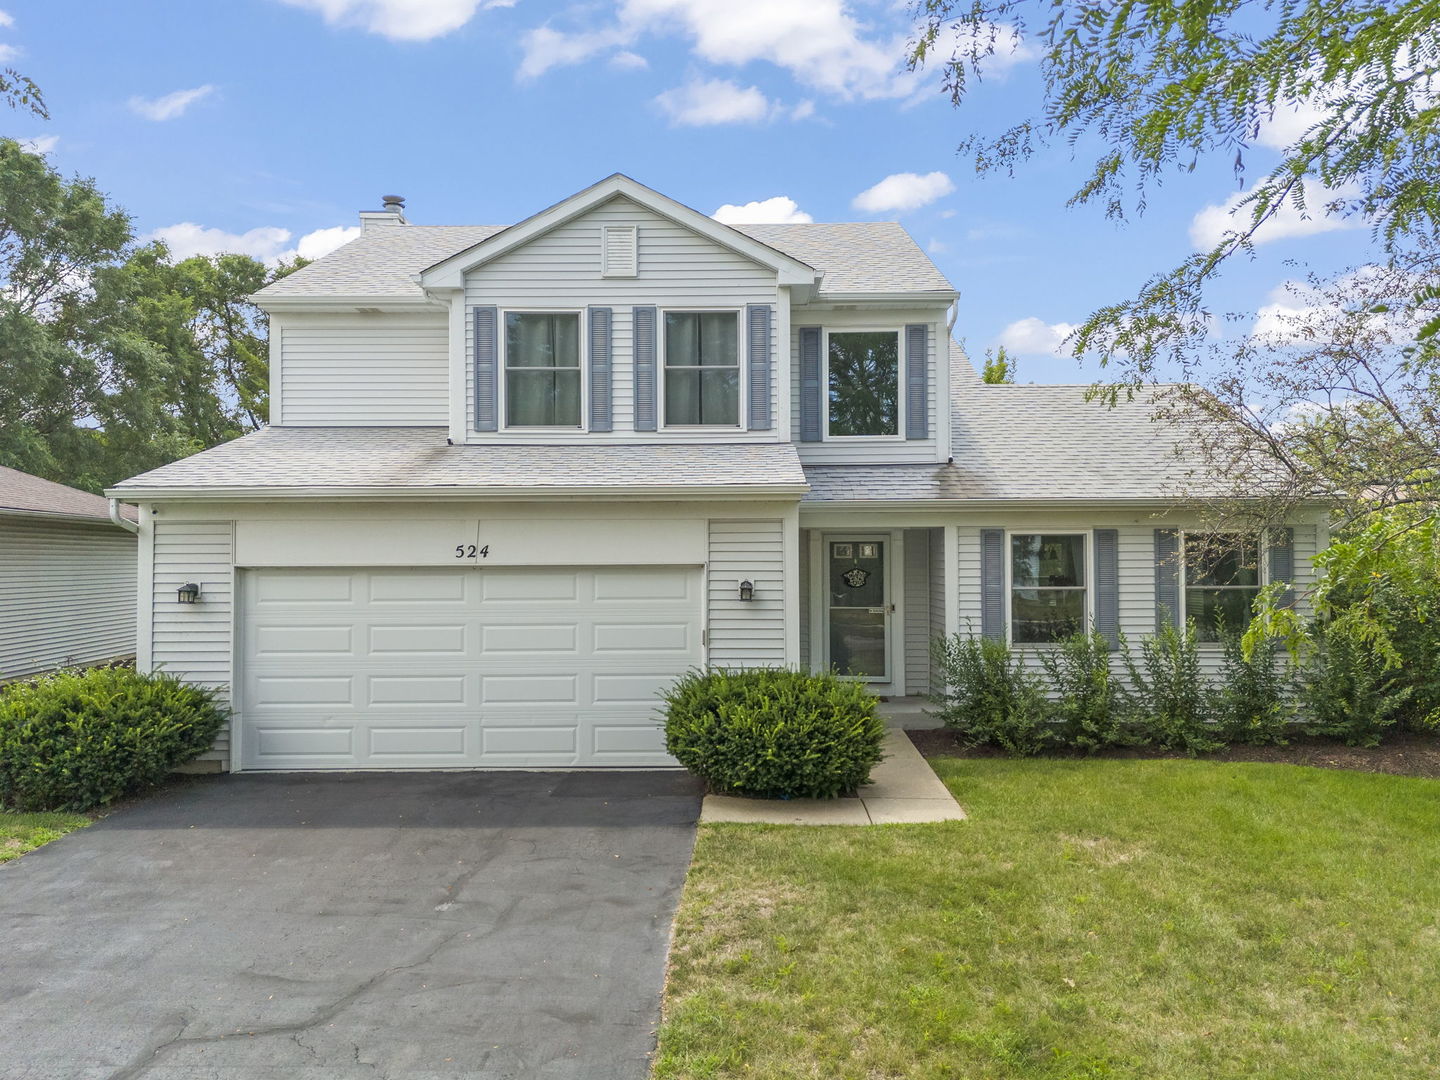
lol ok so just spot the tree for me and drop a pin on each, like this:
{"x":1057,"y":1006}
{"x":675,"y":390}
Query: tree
{"x":1346,"y":89}
{"x":1000,"y":367}
{"x":20,"y":92}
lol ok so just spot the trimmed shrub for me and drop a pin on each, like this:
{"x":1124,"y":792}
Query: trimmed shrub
{"x":1253,"y":702}
{"x":989,"y":697}
{"x":1167,"y":697}
{"x":1084,"y":702}
{"x":774,"y":733}
{"x":80,"y":739}
{"x":1347,"y":693}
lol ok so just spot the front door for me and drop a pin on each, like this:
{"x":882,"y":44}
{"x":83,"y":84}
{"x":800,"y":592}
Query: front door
{"x":858,"y":608}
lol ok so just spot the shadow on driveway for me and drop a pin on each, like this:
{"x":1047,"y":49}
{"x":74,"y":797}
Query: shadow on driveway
{"x":415,"y":925}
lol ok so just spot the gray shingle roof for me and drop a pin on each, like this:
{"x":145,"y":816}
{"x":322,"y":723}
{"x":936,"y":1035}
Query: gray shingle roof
{"x":856,"y":257}
{"x":21,"y":493}
{"x":1034,"y":443}
{"x":302,"y":459}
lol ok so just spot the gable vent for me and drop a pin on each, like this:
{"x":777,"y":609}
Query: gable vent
{"x":619,"y":254}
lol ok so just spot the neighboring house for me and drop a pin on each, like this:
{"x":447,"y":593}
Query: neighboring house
{"x":67,"y":577}
{"x":517,"y":479}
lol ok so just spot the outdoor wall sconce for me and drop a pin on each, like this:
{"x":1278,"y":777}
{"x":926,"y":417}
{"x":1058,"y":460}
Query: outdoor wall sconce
{"x":747,"y":591}
{"x":188,"y":594}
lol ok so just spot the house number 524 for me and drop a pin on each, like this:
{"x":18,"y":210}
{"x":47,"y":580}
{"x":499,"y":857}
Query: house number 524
{"x":469,"y":551}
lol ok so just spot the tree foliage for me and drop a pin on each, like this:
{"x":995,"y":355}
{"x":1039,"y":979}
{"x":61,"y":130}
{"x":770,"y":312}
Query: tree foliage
{"x":1000,"y":367}
{"x":115,"y":359}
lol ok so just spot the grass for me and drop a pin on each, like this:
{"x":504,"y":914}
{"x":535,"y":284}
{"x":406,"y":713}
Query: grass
{"x":1093,"y":919}
{"x":20,"y":833}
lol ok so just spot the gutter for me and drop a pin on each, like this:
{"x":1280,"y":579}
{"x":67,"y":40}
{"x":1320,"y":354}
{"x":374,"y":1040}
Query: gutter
{"x":120,"y":519}
{"x":951,"y":505}
{"x":738,"y":491}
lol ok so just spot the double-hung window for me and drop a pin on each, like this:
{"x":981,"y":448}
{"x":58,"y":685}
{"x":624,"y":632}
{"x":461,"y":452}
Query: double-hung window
{"x":863,"y":392}
{"x":1222,"y":580}
{"x":542,"y":369}
{"x":1047,"y":586}
{"x":702,"y":369}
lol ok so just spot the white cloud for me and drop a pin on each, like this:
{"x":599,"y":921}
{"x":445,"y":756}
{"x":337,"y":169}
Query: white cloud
{"x":702,"y":103}
{"x":6,"y":19}
{"x":40,"y":144}
{"x":626,"y":60}
{"x":400,"y":20}
{"x":169,"y":106}
{"x":781,"y":210}
{"x":323,"y":241}
{"x":9,"y":52}
{"x":1033,"y":337}
{"x":1211,"y":225}
{"x":268,"y":243}
{"x":1300,"y":312}
{"x":937,"y":247}
{"x":545,"y":48}
{"x":902,"y":192}
{"x":803,"y":111}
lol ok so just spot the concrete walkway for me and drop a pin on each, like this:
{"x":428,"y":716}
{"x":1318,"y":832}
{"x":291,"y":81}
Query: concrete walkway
{"x":904,"y":790}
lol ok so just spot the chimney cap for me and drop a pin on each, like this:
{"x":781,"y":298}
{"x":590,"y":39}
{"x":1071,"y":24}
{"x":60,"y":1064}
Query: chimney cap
{"x":395,"y":201}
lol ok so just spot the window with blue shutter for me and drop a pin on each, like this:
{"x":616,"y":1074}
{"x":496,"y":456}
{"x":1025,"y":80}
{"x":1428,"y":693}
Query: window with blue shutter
{"x":810,"y":403}
{"x":992,"y":584}
{"x":646,"y":410}
{"x":757,"y":358}
{"x":917,"y":382}
{"x":486,"y":354}
{"x":601,"y":408}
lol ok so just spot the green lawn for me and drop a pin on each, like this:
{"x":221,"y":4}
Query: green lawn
{"x":1093,"y":919}
{"x":20,"y":833}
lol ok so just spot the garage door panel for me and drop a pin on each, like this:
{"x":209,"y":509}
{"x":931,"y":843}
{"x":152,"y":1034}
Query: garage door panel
{"x":500,"y":667}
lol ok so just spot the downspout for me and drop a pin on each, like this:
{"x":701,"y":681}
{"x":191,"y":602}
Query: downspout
{"x":119,"y":519}
{"x":954,"y":314}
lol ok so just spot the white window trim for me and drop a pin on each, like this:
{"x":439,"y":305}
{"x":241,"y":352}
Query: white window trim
{"x":1262,"y":574}
{"x":502,"y":391}
{"x":899,"y":332}
{"x":1087,"y":560}
{"x":742,"y":398}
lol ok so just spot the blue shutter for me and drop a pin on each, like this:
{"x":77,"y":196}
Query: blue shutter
{"x":1282,"y":562}
{"x":1167,"y":578}
{"x":810,"y":384}
{"x":646,"y":410}
{"x":601,"y":413}
{"x":487,"y":409}
{"x":992,"y":583}
{"x":1107,"y":585}
{"x":757,"y":358}
{"x":917,"y":382}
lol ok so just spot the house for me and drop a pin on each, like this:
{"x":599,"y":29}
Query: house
{"x":518,"y":478}
{"x":67,"y":577}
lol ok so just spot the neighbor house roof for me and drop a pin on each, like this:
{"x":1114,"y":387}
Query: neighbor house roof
{"x":1042,"y":443}
{"x":21,"y":493}
{"x":418,"y":461}
{"x":852,"y":258}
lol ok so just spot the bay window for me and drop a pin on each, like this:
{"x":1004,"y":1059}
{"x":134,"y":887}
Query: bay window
{"x":542,"y":369}
{"x":702,"y":369}
{"x":1047,"y":587}
{"x":863,"y":392}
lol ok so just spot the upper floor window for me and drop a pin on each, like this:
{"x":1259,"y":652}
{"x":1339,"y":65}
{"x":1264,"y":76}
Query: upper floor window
{"x":702,"y":368}
{"x":863,"y":383}
{"x":1047,"y":586}
{"x":1222,"y":578}
{"x":542,"y":369}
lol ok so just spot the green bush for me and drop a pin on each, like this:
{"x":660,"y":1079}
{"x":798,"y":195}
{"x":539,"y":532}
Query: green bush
{"x":1083,"y":704}
{"x":989,"y":697}
{"x":1253,"y":702}
{"x":1167,"y":699}
{"x":1347,"y":693}
{"x":75,"y":740}
{"x":774,"y":733}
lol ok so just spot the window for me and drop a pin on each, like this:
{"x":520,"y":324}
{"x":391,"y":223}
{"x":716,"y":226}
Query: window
{"x":864,"y":383}
{"x":542,"y":369}
{"x":1222,"y":579}
{"x":1047,"y":586}
{"x":702,"y":368}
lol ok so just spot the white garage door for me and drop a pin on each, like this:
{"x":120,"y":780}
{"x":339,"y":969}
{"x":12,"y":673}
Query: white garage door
{"x":404,"y":668}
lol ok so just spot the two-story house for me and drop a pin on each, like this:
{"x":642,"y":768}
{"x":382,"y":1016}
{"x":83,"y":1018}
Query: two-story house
{"x":518,"y":478}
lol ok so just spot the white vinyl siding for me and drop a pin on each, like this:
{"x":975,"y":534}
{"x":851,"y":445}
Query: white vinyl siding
{"x":193,"y":641}
{"x":746,"y":633}
{"x":916,"y":660}
{"x":561,"y":269}
{"x":357,"y":370}
{"x":67,"y":594}
{"x":883,"y":449}
{"x":804,"y":612}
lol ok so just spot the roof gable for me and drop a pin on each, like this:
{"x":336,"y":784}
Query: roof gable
{"x":449,"y":273}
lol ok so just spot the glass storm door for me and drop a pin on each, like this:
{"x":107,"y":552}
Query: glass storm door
{"x":859,"y":610}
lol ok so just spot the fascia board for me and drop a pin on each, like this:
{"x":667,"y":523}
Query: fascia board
{"x":527,"y":494}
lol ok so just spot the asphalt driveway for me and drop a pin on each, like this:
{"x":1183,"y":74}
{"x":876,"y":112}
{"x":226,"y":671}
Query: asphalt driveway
{"x":407,"y":925}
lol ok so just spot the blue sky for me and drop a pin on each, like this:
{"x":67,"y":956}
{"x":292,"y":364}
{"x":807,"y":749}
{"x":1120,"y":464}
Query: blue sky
{"x":265,"y":125}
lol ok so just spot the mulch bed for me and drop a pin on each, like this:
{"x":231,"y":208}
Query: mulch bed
{"x":1402,"y":754}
